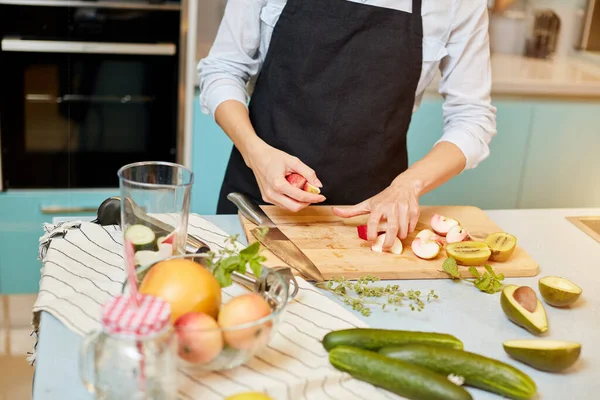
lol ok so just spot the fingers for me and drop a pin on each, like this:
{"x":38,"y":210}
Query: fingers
{"x":304,"y":170}
{"x":372,"y":225}
{"x":282,"y":186}
{"x":282,"y":201}
{"x":414,"y":214}
{"x":352,"y":211}
{"x":403,"y":216}
{"x":393,"y":225}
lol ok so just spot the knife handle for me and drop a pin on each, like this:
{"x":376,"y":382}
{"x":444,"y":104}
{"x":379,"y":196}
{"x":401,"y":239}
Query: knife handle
{"x":250,"y":209}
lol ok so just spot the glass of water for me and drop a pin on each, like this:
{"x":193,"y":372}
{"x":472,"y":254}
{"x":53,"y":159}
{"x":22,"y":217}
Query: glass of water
{"x":155,"y":207}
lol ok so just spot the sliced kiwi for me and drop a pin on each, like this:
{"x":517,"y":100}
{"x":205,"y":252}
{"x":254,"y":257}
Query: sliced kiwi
{"x":469,"y":253}
{"x":502,"y":245}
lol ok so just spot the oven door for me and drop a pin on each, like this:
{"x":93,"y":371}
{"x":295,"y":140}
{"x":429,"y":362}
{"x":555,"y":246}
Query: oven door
{"x":72,"y":113}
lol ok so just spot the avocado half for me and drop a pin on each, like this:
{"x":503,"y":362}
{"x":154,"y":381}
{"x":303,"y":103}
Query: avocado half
{"x":535,"y":322}
{"x":544,"y":355}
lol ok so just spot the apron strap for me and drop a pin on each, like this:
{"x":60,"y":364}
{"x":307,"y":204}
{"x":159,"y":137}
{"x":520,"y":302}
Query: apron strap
{"x":416,"y":8}
{"x":417,"y":19}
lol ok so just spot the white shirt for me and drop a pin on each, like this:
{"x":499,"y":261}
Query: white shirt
{"x":455,"y":41}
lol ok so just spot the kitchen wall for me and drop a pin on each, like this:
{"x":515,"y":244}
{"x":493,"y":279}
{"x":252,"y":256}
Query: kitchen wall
{"x":210,"y":13}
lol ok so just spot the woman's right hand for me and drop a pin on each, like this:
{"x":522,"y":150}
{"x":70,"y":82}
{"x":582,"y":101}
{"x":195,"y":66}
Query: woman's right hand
{"x":271,"y":167}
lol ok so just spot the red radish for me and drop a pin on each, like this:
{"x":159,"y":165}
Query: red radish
{"x":427,"y":234}
{"x":441,"y":224}
{"x":457,"y":234}
{"x":362,"y":230}
{"x":396,"y":248}
{"x":425,"y":249}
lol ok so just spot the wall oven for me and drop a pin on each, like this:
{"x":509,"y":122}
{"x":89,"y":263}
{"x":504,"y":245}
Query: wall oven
{"x":86,"y":87}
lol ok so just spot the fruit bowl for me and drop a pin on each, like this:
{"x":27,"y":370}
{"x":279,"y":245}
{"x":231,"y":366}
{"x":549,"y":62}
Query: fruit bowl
{"x":217,"y":328}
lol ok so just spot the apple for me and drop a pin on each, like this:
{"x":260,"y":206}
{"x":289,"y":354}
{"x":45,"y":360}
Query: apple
{"x":425,"y":249}
{"x":199,"y":337}
{"x":396,"y":248}
{"x":427,"y":234}
{"x":457,"y":234}
{"x":300,"y":182}
{"x":362,"y":230}
{"x":245,"y":309}
{"x":441,"y":224}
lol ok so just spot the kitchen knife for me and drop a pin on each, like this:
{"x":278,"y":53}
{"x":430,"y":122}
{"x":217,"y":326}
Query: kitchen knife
{"x":275,"y":240}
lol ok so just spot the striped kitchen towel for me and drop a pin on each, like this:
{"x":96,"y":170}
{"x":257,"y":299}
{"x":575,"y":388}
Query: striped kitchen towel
{"x":83,"y":269}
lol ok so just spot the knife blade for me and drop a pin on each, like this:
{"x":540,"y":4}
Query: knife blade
{"x":275,"y":240}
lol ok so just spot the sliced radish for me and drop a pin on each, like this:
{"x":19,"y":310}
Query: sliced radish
{"x":457,"y":234}
{"x":441,"y":224}
{"x":377,"y":247}
{"x":425,"y":249}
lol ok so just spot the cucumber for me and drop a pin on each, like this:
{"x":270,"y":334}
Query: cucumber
{"x":374,"y":339}
{"x":142,"y":237}
{"x":399,"y":377}
{"x":478,"y":371}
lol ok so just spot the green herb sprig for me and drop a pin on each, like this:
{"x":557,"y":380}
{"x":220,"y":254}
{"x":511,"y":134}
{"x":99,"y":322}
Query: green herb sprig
{"x":359,"y":294}
{"x":489,"y":282}
{"x":228,"y":260}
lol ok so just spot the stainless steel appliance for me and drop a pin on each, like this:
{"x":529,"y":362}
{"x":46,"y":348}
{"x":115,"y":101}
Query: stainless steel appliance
{"x":86,"y":88}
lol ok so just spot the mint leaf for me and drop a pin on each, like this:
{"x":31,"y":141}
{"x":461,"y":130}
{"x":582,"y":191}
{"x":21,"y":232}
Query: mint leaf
{"x":500,"y":277}
{"x":251,"y":250}
{"x":474,"y":272}
{"x":489,"y":269}
{"x":451,"y":267}
{"x":483,"y":283}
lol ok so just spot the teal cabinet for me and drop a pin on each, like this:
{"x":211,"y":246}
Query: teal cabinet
{"x":495,"y":183}
{"x":22,"y":216}
{"x":210,"y":152}
{"x":563,"y":159}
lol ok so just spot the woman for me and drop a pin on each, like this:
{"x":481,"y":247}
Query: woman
{"x":335,"y":85}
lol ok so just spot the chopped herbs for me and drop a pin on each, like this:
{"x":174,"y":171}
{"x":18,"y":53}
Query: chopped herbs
{"x":489,"y":282}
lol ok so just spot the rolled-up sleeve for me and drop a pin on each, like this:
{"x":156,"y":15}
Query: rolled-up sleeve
{"x":233,"y":58}
{"x":469,"y":116}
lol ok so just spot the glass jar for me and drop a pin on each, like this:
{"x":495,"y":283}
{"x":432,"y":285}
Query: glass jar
{"x":134,"y":356}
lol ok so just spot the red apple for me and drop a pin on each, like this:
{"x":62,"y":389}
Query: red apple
{"x":427,"y":234}
{"x":199,"y":337}
{"x":441,"y":224}
{"x":296,"y":180}
{"x":425,"y":249}
{"x":362,"y":230}
{"x":396,"y":248}
{"x":457,"y":234}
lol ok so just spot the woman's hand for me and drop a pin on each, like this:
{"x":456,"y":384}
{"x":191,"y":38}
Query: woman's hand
{"x":271,"y":166}
{"x":398,"y":204}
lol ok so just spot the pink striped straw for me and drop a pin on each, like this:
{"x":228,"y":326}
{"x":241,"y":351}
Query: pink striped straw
{"x":132,"y":277}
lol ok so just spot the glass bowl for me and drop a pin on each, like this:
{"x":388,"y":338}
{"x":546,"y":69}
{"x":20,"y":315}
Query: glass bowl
{"x":219,"y":342}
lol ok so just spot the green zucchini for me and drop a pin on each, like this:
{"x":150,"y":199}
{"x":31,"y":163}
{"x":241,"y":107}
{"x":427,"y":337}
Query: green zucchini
{"x":478,"y":371}
{"x":399,"y":377}
{"x":142,"y":237}
{"x":374,"y":339}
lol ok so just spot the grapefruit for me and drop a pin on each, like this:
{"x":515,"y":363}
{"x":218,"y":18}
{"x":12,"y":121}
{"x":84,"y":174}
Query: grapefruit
{"x":186,"y":285}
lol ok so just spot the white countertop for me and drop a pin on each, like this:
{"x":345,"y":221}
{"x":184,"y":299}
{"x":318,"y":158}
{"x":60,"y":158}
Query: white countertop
{"x":578,"y":75}
{"x":474,"y":317}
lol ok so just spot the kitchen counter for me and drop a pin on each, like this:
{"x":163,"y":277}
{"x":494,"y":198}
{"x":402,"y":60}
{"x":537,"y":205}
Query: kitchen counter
{"x":517,"y":75}
{"x":474,"y":317}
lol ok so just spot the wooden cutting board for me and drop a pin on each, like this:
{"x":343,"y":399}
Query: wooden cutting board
{"x":337,"y":250}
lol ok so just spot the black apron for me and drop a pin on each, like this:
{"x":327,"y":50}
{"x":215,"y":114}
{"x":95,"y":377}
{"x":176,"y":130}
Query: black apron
{"x":337,"y":90}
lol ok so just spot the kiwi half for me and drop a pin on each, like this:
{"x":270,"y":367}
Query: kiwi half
{"x":502,"y":245}
{"x":469,"y":253}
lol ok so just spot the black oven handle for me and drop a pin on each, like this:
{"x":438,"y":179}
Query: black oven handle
{"x":51,"y":46}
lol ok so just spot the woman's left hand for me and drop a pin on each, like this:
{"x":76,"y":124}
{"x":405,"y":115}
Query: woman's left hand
{"x":398,"y":204}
